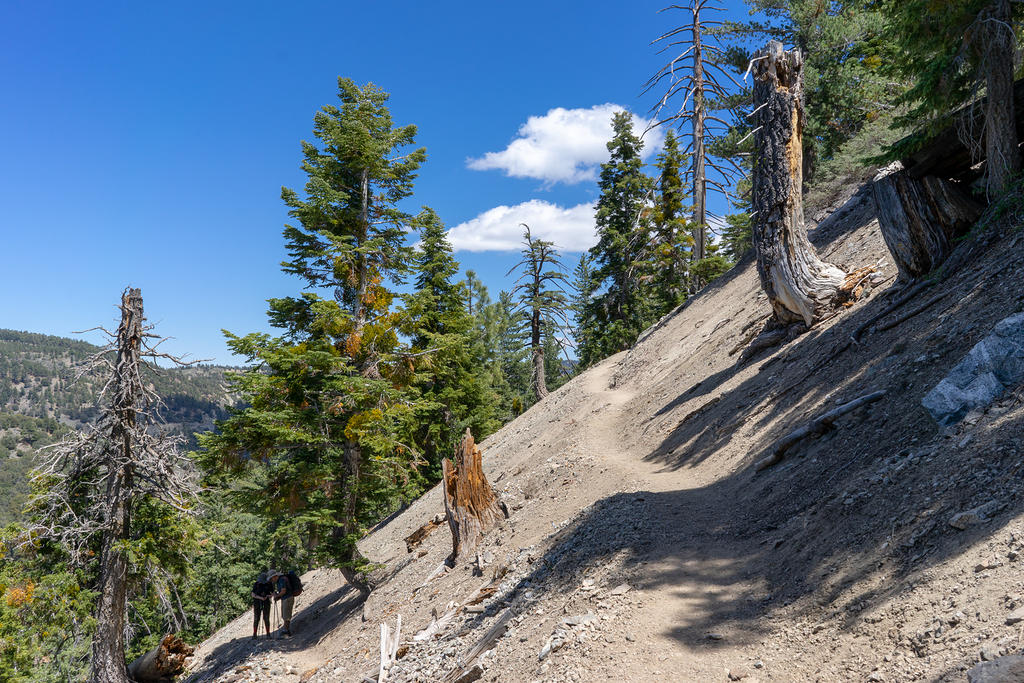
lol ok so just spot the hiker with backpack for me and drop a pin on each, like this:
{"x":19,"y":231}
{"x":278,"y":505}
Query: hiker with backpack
{"x":261,"y":592}
{"x":286,"y":586}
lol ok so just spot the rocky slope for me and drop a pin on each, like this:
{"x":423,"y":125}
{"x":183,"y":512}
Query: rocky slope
{"x":644,"y":545}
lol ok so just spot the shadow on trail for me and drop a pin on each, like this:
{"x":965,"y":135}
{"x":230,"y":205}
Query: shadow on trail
{"x":310,"y":623}
{"x":865,"y":505}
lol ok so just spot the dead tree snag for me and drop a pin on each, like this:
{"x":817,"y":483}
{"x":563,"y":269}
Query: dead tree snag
{"x":919,"y":218}
{"x":471,"y":504}
{"x":800,"y":286}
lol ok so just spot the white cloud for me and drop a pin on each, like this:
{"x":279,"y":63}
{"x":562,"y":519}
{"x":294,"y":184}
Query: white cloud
{"x":564,"y":145}
{"x":499,"y":229}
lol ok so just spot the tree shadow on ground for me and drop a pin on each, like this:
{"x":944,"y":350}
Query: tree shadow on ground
{"x":309,"y":624}
{"x":867,"y":505}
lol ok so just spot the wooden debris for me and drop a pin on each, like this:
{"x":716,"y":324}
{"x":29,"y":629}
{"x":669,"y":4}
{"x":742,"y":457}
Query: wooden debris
{"x":470,"y":503}
{"x":816,"y":427}
{"x":853,"y":287}
{"x":441,"y":568}
{"x":388,"y":648}
{"x":413,"y":540}
{"x":163,"y":662}
{"x":482,"y":645}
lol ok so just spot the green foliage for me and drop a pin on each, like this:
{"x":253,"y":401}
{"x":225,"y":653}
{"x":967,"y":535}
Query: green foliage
{"x":843,"y":54}
{"x":618,"y":309}
{"x":325,"y":437}
{"x":670,"y":248}
{"x":941,"y":48}
{"x":452,"y":383}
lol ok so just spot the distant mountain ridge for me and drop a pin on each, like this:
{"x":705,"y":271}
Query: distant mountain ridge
{"x":42,"y":397}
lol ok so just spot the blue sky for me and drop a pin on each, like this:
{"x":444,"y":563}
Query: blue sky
{"x":146,"y":144}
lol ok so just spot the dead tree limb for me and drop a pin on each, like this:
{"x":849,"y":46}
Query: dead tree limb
{"x":470,"y":503}
{"x":816,"y":427}
{"x":482,"y":645}
{"x":911,"y":313}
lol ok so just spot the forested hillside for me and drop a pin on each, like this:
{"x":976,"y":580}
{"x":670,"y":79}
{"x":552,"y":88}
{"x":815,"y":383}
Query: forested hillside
{"x":42,"y":396}
{"x":707,"y":439}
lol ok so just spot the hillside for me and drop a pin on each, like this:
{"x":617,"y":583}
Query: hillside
{"x":644,"y":545}
{"x":41,"y":397}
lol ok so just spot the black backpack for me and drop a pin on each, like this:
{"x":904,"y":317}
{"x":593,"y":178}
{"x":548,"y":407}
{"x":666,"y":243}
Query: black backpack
{"x":294,"y":583}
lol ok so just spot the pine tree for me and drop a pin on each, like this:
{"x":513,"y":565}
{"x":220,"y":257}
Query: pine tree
{"x":452,"y":380}
{"x":619,"y":308}
{"x":95,"y":492}
{"x":513,"y":351}
{"x":950,"y":49}
{"x":323,"y":440}
{"x":542,"y":303}
{"x":698,"y":77}
{"x":671,"y":246}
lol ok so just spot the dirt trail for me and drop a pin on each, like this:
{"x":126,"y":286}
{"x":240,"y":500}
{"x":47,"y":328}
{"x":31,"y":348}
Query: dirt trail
{"x":642,"y":545}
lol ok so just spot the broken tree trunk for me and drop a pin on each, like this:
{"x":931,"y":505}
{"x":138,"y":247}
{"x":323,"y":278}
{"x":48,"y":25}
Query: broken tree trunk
{"x":469,"y":501}
{"x":163,"y":663}
{"x":920,"y":218}
{"x":800,"y":286}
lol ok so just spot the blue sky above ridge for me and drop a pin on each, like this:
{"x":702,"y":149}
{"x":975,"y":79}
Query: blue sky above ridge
{"x":146,"y":145}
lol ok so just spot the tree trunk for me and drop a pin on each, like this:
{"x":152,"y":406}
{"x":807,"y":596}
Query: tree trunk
{"x":699,"y":184}
{"x":162,"y":663}
{"x":800,"y":287}
{"x":540,"y":386}
{"x":108,"y":663}
{"x":471,"y":504}
{"x":1001,"y":150}
{"x":919,"y":219}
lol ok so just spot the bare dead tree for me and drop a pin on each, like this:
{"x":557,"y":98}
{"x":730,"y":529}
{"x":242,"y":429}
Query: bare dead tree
{"x":89,"y":485}
{"x":800,"y":286}
{"x":697,"y":76}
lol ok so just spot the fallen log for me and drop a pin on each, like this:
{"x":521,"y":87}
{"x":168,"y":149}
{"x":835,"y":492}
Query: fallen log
{"x":163,"y":663}
{"x":470,"y":503}
{"x":815,"y":427}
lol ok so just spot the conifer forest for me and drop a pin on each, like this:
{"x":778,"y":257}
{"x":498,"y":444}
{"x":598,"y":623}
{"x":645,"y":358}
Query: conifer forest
{"x":780,"y":386}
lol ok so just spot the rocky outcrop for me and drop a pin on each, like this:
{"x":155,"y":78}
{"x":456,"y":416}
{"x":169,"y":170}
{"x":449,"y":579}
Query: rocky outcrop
{"x":995,"y":363}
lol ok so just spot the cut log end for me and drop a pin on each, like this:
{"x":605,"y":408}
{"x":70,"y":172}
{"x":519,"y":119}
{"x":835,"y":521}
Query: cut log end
{"x":163,"y":663}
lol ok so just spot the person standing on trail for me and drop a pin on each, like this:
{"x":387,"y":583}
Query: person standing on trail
{"x":261,"y":592}
{"x":285,"y":591}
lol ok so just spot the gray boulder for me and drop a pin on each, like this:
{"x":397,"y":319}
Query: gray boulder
{"x":995,"y":363}
{"x":1003,"y":670}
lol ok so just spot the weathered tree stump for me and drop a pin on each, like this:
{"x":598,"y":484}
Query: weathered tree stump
{"x":471,"y":504}
{"x":919,"y":218}
{"x":800,"y":286}
{"x":163,"y":663}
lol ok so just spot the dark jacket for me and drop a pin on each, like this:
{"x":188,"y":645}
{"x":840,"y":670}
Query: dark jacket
{"x":262,"y":589}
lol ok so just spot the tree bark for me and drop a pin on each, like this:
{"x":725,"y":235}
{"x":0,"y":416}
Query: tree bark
{"x":108,"y":662}
{"x":162,"y":663}
{"x":699,"y":164}
{"x":1001,"y":146}
{"x":540,"y":386}
{"x":800,"y":287}
{"x":920,"y":218}
{"x":471,"y":504}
